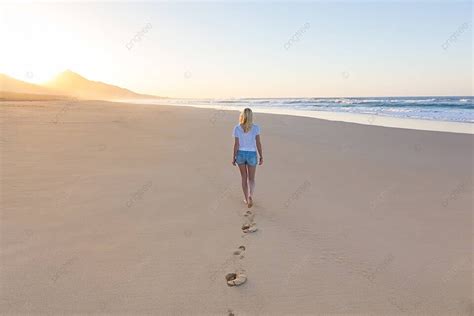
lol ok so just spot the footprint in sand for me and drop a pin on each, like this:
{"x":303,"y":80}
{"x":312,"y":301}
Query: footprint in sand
{"x":249,"y":215}
{"x":230,"y":312}
{"x":249,"y":228}
{"x":240,"y":252}
{"x":235,"y":279}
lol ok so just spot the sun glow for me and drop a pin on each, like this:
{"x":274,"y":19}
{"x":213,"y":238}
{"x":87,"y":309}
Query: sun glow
{"x":45,"y":40}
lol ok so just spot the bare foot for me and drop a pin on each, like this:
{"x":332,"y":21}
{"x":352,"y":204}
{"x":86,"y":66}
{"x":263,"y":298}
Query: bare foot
{"x":250,"y":204}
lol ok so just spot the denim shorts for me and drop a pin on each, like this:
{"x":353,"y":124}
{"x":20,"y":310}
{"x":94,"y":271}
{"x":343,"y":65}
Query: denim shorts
{"x":246,"y":157}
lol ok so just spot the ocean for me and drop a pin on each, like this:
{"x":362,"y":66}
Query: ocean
{"x":453,"y":109}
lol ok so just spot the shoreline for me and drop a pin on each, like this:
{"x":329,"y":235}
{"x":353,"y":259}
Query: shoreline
{"x":357,"y":118}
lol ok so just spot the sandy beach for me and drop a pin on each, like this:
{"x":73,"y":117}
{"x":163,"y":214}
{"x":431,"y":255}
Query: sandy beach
{"x":112,"y":208}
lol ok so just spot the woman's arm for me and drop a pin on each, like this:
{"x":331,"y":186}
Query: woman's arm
{"x":236,"y":148}
{"x":259,"y":148}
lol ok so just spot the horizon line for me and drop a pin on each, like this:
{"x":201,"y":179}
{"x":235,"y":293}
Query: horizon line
{"x":229,"y":97}
{"x":329,"y":97}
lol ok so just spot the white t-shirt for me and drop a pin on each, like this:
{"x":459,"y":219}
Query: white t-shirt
{"x":247,"y":140}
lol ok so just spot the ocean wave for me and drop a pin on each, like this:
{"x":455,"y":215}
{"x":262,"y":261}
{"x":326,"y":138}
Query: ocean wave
{"x":458,"y":109}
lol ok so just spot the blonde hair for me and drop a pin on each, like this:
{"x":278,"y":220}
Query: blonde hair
{"x":246,"y":119}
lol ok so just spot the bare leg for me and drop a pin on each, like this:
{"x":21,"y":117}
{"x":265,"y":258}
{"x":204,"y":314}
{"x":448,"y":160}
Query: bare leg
{"x":245,"y":187}
{"x":251,"y":174}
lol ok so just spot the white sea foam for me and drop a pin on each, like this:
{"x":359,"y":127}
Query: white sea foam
{"x":432,"y":113}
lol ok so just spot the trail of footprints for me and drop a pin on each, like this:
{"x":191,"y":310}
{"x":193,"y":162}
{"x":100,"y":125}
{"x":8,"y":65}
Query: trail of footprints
{"x":238,"y":277}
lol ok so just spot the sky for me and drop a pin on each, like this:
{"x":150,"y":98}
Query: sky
{"x":259,"y":49}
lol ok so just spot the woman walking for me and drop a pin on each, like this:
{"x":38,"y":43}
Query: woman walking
{"x":246,"y":144}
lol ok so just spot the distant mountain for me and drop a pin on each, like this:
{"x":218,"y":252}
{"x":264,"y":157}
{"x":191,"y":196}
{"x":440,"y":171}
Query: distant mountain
{"x":66,"y":85}
{"x":73,"y":84}
{"x":12,"y":89}
{"x":12,"y":85}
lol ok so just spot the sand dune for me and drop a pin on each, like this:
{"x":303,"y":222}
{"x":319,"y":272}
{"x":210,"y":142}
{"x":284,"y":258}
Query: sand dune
{"x":66,"y":85}
{"x":73,"y":84}
{"x":12,"y":85}
{"x":136,"y":209}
